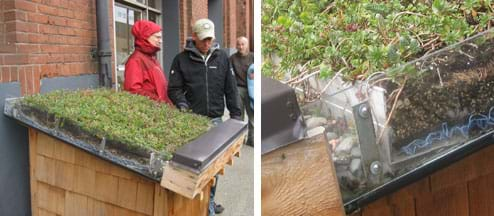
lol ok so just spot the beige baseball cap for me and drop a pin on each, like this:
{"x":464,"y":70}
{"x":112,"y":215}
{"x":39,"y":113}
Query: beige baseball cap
{"x":204,"y":28}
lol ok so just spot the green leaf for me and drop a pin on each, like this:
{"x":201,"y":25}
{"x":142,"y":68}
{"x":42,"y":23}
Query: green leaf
{"x":325,"y":71}
{"x":284,"y":21}
{"x":439,"y":6}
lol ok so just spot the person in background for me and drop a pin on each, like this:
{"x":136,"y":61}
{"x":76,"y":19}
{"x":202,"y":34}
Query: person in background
{"x":201,"y":79}
{"x":241,"y":61}
{"x":143,"y":74}
{"x":250,"y":85}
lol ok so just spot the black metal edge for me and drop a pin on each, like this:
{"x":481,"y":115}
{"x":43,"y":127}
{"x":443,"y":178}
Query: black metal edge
{"x":10,"y":112}
{"x":281,"y":145}
{"x":448,"y":158}
{"x":284,"y":123}
{"x":186,"y":162}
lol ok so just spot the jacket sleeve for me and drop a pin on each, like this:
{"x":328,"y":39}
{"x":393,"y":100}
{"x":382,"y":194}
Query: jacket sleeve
{"x":176,"y":85}
{"x":231,"y":93}
{"x":134,"y":80}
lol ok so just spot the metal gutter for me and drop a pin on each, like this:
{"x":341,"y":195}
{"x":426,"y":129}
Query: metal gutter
{"x":104,"y":50}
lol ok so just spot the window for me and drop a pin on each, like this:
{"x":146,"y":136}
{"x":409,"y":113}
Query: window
{"x":153,"y":17}
{"x":126,"y":13}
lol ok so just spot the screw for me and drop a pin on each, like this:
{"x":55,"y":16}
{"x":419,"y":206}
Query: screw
{"x":363,"y":111}
{"x":375,"y":167}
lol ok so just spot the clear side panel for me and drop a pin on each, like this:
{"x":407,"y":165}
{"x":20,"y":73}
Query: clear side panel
{"x":395,"y":121}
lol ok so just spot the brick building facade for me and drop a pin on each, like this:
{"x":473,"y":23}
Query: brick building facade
{"x":52,"y":44}
{"x":45,"y":39}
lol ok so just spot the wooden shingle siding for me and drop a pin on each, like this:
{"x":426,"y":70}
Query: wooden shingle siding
{"x":68,"y":181}
{"x":465,"y":188}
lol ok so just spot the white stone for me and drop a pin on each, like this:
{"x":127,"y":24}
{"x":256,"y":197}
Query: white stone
{"x":341,"y":159}
{"x":345,"y":145}
{"x":276,"y":59}
{"x":325,"y":110}
{"x":315,"y":122}
{"x":331,"y":135}
{"x":315,"y":131}
{"x":314,"y":83}
{"x":356,"y":152}
{"x":355,"y":165}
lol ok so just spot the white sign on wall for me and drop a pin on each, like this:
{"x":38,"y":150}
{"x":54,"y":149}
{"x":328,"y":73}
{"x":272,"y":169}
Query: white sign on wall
{"x":122,"y":16}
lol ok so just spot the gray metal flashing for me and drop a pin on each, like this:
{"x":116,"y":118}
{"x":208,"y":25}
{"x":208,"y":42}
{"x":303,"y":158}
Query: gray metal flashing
{"x":69,"y":83}
{"x":14,"y":160}
{"x":282,"y":122}
{"x":198,"y":154}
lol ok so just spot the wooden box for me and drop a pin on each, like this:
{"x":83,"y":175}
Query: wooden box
{"x":71,"y":177}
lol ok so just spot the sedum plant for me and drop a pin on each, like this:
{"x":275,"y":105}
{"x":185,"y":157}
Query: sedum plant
{"x":358,"y":38}
{"x":124,"y":118}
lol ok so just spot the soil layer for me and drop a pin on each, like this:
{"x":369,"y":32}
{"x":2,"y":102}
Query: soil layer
{"x":458,"y":83}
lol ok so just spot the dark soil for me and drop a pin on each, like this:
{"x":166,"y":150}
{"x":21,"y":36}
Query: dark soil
{"x":466,"y":87}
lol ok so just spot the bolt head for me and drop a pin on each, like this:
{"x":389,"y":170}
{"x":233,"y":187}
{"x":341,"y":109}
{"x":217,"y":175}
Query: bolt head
{"x":364,"y":111}
{"x":376,"y":167}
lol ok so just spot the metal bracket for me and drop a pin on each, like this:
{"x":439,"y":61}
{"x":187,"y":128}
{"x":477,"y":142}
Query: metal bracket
{"x":371,"y":163}
{"x":283,"y":123}
{"x":94,"y":53}
{"x":101,"y":146}
{"x":156,"y":163}
{"x":104,"y":53}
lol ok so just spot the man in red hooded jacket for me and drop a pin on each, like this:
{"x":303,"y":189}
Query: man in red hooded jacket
{"x":143,"y":74}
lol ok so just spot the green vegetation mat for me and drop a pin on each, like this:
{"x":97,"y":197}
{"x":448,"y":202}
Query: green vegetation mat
{"x":123,"y":118}
{"x":358,"y":38}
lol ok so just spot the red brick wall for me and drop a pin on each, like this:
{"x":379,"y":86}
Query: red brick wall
{"x":183,"y":26}
{"x":230,"y":21}
{"x":245,"y":20}
{"x":190,"y":11}
{"x":2,"y":31}
{"x":241,"y":11}
{"x":2,"y":35}
{"x":249,"y":22}
{"x":199,"y":10}
{"x":237,"y":19}
{"x":47,"y":38}
{"x":51,"y":38}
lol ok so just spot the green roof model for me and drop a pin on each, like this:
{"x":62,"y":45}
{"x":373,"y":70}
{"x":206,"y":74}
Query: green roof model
{"x":132,"y":121}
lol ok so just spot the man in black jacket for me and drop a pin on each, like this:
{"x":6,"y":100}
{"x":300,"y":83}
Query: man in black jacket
{"x":201,"y":78}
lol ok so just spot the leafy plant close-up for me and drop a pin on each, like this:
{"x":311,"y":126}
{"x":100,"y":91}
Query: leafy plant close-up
{"x":129,"y":119}
{"x":358,"y":38}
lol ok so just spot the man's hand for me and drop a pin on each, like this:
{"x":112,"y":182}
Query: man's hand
{"x":183,"y":107}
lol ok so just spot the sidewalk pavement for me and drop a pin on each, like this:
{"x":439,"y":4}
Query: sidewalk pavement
{"x":235,"y":190}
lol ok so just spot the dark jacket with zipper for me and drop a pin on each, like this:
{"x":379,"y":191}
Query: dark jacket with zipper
{"x":202,"y":83}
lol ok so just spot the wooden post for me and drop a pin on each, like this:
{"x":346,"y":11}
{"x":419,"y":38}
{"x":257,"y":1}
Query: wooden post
{"x":299,"y":179}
